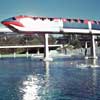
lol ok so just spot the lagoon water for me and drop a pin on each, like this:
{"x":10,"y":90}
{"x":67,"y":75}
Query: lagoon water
{"x":64,"y":78}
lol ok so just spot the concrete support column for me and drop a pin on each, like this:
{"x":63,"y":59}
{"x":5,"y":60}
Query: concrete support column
{"x":0,"y":55}
{"x":14,"y":54}
{"x":38,"y":52}
{"x":86,"y":46}
{"x":93,"y":48}
{"x":46,"y":49}
{"x":27,"y":53}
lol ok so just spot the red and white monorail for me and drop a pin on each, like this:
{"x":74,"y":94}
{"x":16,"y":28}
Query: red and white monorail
{"x":51,"y":25}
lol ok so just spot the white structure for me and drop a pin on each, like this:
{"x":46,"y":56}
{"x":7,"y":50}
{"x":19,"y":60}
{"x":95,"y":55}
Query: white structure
{"x":44,"y":25}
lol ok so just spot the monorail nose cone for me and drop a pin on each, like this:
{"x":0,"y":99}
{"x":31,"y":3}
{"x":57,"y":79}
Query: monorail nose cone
{"x":4,"y":23}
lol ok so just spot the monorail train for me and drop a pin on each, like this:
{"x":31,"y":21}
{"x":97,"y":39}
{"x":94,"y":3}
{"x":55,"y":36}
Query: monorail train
{"x":31,"y":24}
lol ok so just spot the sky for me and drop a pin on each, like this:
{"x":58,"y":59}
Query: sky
{"x":83,"y":9}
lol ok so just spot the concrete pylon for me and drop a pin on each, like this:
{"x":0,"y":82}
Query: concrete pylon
{"x":27,"y":53}
{"x":93,"y":48}
{"x":86,"y":46}
{"x":38,"y":52}
{"x":46,"y":49}
{"x":93,"y":45}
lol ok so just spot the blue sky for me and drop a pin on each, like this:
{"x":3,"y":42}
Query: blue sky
{"x":86,"y":9}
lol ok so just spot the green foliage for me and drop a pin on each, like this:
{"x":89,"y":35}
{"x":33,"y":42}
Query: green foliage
{"x":76,"y":43}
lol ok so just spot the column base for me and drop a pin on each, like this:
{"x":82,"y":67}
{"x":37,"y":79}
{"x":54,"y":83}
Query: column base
{"x":90,"y":57}
{"x":47,"y":59}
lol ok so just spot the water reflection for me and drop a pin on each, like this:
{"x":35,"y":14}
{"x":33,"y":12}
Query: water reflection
{"x":88,"y":63}
{"x":91,"y":62}
{"x":35,"y":87}
{"x":92,"y":83}
{"x":57,"y":80}
{"x":94,"y":76}
{"x":47,"y":82}
{"x":47,"y":69}
{"x":30,"y":88}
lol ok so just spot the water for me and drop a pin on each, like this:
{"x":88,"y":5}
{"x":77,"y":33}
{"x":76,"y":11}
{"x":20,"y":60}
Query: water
{"x":62,"y":79}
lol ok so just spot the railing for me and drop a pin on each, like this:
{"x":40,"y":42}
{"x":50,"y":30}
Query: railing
{"x":29,"y":46}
